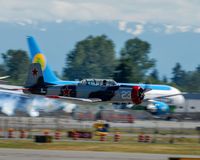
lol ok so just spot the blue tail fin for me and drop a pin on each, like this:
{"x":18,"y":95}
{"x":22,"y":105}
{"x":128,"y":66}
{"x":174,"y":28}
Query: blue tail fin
{"x":38,"y":57}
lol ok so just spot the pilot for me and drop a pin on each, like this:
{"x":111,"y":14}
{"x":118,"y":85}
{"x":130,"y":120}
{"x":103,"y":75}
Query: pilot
{"x":104,"y":82}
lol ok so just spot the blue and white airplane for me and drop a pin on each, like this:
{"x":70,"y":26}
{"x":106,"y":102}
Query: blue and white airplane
{"x":158,"y":98}
{"x":161,"y":99}
{"x":43,"y":82}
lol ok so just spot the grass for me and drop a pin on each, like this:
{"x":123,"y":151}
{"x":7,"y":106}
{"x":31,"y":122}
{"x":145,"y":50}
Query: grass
{"x":158,"y":131}
{"x":192,"y":149}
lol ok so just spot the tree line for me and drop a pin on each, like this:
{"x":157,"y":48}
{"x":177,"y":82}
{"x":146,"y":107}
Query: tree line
{"x":95,"y":57}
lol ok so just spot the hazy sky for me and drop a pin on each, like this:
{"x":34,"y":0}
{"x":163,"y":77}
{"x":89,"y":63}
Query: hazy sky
{"x":172,"y":27}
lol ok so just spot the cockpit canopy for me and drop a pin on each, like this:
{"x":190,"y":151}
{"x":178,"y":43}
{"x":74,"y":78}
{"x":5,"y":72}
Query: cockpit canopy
{"x":98,"y":82}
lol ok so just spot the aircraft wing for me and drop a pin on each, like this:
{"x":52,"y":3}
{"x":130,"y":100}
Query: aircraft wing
{"x":4,"y":77}
{"x":18,"y":90}
{"x":163,"y":96}
{"x":10,"y":87}
{"x":74,"y":100}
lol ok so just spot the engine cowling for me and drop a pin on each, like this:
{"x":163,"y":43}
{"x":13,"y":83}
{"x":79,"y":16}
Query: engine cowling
{"x":137,"y":94}
{"x":158,"y":108}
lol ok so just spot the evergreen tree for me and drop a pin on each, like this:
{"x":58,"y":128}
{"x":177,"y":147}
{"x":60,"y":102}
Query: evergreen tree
{"x":94,"y":57}
{"x":16,"y":64}
{"x":192,"y":82}
{"x":179,"y":75}
{"x":164,"y":80}
{"x":153,"y":78}
{"x":2,"y":70}
{"x":134,"y":61}
{"x":198,"y":68}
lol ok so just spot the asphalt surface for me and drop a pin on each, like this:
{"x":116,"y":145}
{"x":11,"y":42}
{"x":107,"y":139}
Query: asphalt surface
{"x":30,"y":154}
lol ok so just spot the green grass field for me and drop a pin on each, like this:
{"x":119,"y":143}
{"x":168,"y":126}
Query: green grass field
{"x":192,"y":149}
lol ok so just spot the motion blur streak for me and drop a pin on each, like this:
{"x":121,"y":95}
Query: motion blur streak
{"x":32,"y":106}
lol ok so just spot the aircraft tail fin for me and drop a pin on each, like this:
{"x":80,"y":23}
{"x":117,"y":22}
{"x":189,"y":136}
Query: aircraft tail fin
{"x":38,"y":57}
{"x":35,"y":77}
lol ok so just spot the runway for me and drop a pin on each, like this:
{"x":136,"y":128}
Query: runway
{"x":30,"y":154}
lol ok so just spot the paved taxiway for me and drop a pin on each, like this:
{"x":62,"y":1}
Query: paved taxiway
{"x":30,"y":154}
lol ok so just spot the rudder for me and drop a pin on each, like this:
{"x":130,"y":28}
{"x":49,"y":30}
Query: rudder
{"x":38,"y":57}
{"x":35,"y":77}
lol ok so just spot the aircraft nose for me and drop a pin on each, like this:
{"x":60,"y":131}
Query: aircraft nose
{"x":179,"y":100}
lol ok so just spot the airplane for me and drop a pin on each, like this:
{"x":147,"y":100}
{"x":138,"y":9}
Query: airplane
{"x":42,"y":85}
{"x":161,"y":100}
{"x":158,"y":98}
{"x":84,"y":92}
{"x":42,"y":82}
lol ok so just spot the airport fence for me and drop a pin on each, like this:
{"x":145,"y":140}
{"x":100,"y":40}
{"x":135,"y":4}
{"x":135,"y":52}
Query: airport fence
{"x":60,"y":128}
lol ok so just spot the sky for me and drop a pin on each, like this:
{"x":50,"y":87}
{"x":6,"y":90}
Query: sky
{"x":171,"y":27}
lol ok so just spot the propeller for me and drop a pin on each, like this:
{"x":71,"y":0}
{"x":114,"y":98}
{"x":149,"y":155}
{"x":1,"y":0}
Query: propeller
{"x":141,"y":93}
